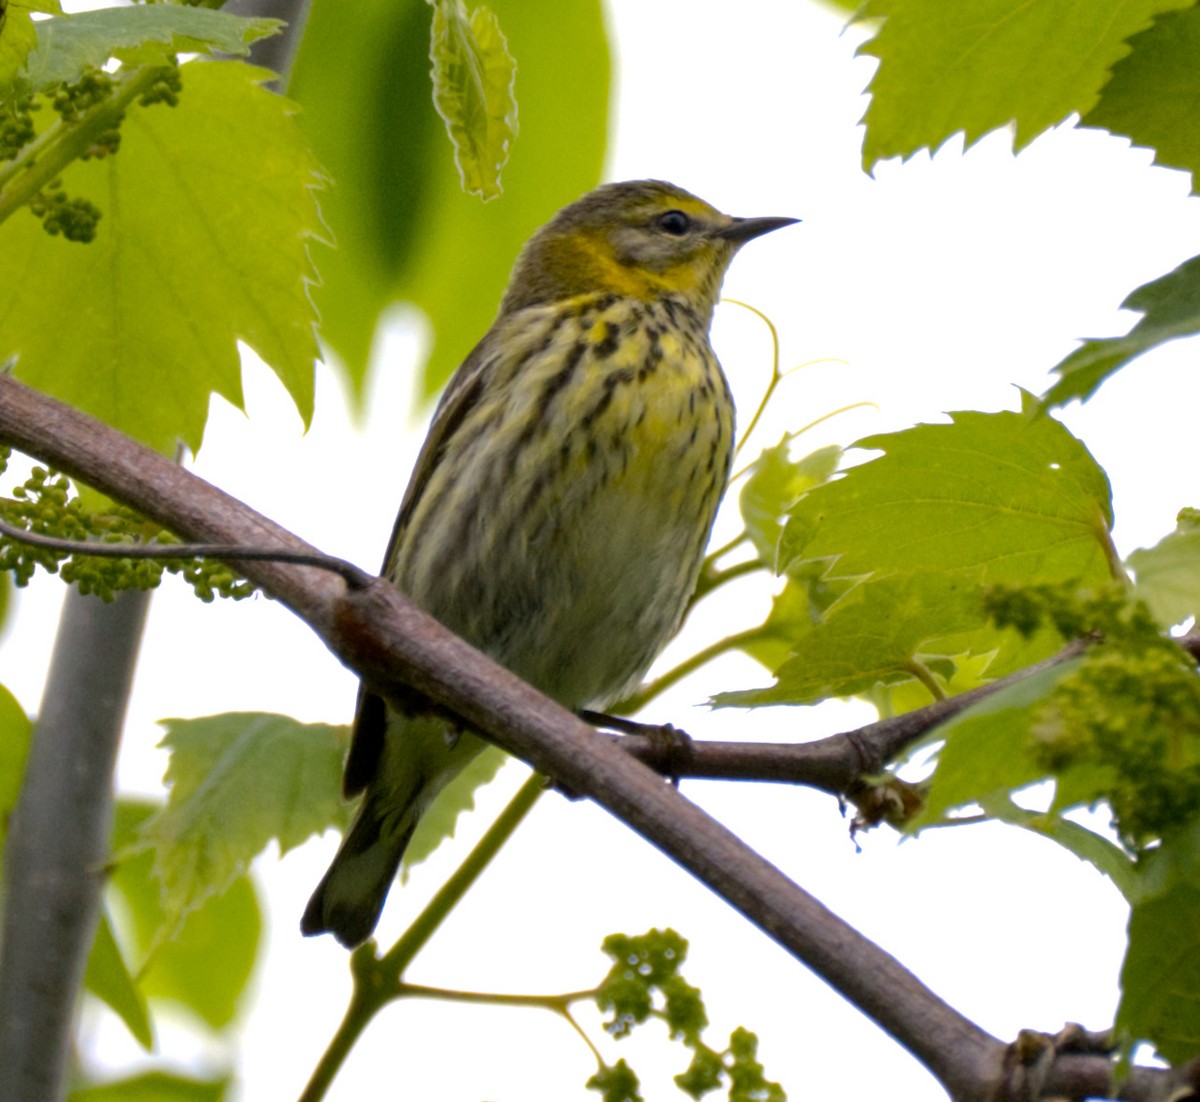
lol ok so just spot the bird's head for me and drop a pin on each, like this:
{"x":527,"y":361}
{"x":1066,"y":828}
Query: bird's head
{"x":642,"y":239}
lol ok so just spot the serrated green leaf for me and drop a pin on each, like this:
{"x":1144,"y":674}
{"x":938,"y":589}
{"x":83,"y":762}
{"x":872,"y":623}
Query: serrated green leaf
{"x":774,"y":482}
{"x":904,"y":543}
{"x":1014,"y":495}
{"x":206,"y":965}
{"x":792,"y":615}
{"x":987,"y":747}
{"x":1168,"y":574}
{"x":380,"y":204}
{"x":1171,"y":309}
{"x":16,"y":730}
{"x":1160,"y":979}
{"x":18,"y":37}
{"x":108,"y":978}
{"x":440,"y":821}
{"x":874,"y":635}
{"x":237,"y":782}
{"x":405,"y":228}
{"x":1153,"y":97}
{"x":203,"y":241}
{"x":1085,"y":844}
{"x":69,"y":45}
{"x":976,"y":65}
{"x":153,"y":1086}
{"x":466,"y":249}
{"x":473,"y":75}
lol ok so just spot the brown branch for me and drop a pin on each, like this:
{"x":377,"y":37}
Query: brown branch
{"x":381,"y":635}
{"x":354,"y":576}
{"x":835,"y":764}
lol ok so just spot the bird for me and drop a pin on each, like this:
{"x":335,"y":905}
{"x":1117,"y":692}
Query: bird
{"x":559,"y":509}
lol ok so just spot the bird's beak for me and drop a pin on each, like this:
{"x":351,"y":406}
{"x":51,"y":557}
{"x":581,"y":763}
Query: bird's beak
{"x":741,"y":230}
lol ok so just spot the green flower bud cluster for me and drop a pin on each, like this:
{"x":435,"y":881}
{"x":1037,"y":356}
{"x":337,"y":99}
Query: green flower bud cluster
{"x":16,"y":126}
{"x":643,"y":983}
{"x":44,"y":505}
{"x":90,"y":90}
{"x":167,"y":85}
{"x":1132,"y":720}
{"x":76,"y":219}
{"x":1126,"y":723}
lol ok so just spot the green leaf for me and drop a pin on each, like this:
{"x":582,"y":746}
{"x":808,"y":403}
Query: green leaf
{"x":792,"y":616}
{"x":381,"y":202}
{"x":16,"y":730}
{"x":1013,"y":495}
{"x":976,"y":65}
{"x":439,"y":822}
{"x":1085,"y":844}
{"x":473,"y":75}
{"x":18,"y":37}
{"x":207,"y":965}
{"x":988,"y":749}
{"x":904,"y":543}
{"x":107,"y":977}
{"x":1153,"y":97}
{"x":878,"y":634}
{"x":774,"y":482}
{"x":405,"y":228}
{"x":1160,"y":979}
{"x":1171,"y":309}
{"x":203,"y":241}
{"x":1168,"y":574}
{"x":153,"y":1086}
{"x":238,"y":781}
{"x":69,"y":45}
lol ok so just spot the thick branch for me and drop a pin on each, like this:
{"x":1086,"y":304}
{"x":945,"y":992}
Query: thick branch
{"x":835,"y":764}
{"x":59,"y":841}
{"x":381,"y":635}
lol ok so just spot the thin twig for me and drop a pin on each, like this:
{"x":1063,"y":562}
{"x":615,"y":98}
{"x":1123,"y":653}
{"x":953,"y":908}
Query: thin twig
{"x":355,"y":577}
{"x":384,"y":638}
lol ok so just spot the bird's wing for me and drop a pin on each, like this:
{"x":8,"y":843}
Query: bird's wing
{"x":459,"y":398}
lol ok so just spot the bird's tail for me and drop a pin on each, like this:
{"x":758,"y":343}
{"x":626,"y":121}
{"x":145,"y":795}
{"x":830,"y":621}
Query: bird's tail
{"x":350,"y":896}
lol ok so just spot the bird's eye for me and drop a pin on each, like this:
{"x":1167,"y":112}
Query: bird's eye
{"x":674,"y":222}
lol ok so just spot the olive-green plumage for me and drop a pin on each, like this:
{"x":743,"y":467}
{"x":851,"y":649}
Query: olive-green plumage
{"x":559,"y":509}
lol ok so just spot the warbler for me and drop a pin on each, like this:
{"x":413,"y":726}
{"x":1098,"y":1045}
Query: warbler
{"x":559,"y":509}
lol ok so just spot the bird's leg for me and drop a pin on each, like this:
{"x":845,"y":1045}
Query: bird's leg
{"x":670,"y":747}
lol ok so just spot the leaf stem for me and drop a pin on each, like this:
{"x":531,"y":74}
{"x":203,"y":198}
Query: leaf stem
{"x":925,"y":675}
{"x":538,"y":1002}
{"x":711,"y":580}
{"x":354,"y":576}
{"x":648,"y":691}
{"x":723,"y":550}
{"x":776,"y":374}
{"x":1111,"y":555}
{"x":64,"y":143}
{"x":377,"y":980}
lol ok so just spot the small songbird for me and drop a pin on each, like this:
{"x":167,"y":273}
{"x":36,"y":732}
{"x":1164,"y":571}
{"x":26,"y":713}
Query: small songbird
{"x":560,"y":507}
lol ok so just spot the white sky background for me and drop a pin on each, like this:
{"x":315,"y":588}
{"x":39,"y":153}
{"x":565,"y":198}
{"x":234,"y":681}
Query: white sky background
{"x":942,"y":283}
